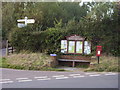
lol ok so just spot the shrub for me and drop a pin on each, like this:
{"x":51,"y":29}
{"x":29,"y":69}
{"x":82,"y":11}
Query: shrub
{"x":35,"y":41}
{"x":107,"y":63}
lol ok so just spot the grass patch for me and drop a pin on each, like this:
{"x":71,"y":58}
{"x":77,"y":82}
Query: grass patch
{"x":51,"y":69}
{"x":43,"y":62}
{"x":82,"y":66}
{"x":107,"y":64}
{"x":29,"y":61}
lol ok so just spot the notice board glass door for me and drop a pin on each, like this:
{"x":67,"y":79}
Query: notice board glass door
{"x":79,"y":46}
{"x":71,"y":47}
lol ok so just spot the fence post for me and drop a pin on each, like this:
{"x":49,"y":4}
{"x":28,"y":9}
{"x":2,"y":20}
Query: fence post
{"x":12,"y":50}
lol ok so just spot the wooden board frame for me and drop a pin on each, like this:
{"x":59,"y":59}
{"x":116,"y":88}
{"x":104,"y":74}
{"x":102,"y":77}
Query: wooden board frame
{"x":75,"y":38}
{"x":75,"y":46}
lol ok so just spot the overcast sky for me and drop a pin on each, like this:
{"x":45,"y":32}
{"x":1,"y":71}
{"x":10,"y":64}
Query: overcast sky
{"x":99,"y":0}
{"x":96,"y":1}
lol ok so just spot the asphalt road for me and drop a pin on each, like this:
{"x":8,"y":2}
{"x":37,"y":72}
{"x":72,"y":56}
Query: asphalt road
{"x":50,"y":79}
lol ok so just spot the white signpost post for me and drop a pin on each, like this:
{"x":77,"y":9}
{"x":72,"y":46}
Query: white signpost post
{"x":26,"y":20}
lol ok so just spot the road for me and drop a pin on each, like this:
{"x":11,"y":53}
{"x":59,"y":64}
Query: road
{"x":12,"y":78}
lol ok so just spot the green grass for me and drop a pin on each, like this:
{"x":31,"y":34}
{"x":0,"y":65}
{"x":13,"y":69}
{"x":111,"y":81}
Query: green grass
{"x":29,"y":61}
{"x":43,"y":62}
{"x":107,"y":64}
{"x":82,"y":66}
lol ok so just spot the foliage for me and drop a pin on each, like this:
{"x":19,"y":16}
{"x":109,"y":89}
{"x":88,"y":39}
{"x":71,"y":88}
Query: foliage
{"x":22,"y":39}
{"x":97,"y":21}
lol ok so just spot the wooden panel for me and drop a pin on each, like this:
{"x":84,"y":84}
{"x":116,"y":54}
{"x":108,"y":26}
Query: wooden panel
{"x":75,"y":37}
{"x":75,"y":57}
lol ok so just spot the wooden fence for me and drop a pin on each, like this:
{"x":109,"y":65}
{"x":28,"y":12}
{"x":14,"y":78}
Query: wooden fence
{"x":9,"y":48}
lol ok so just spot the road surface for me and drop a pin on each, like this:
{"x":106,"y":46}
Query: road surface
{"x":12,"y":78}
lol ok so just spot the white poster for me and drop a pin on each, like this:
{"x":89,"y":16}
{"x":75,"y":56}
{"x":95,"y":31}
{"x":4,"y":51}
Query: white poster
{"x":87,"y":47}
{"x":63,"y":46}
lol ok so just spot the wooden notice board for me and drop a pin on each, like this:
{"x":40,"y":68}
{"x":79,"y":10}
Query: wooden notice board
{"x":75,"y":44}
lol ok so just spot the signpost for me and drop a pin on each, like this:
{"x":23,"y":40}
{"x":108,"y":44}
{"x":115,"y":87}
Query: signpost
{"x":98,"y":52}
{"x":20,"y":25}
{"x":26,"y":20}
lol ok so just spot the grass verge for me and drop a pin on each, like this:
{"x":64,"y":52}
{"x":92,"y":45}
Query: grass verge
{"x":107,"y":64}
{"x":29,"y":61}
{"x":43,"y":62}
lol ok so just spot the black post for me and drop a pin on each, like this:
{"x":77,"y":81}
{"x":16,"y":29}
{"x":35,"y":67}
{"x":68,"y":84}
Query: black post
{"x":98,"y":59}
{"x":12,"y":50}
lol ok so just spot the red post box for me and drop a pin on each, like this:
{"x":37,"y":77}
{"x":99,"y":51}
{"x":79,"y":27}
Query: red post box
{"x":98,"y":50}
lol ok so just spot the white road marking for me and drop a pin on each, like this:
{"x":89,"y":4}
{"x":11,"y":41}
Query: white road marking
{"x":41,"y":77}
{"x":94,"y":75}
{"x":7,"y":82}
{"x":62,"y":77}
{"x":24,"y":80}
{"x":20,"y":78}
{"x":77,"y":76}
{"x":4,"y":79}
{"x":58,"y":76}
{"x":74,"y":74}
{"x":111,"y":74}
{"x":44,"y":79}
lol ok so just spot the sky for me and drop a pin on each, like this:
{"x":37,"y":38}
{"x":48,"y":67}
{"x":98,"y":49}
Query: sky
{"x":82,"y":1}
{"x":90,"y":0}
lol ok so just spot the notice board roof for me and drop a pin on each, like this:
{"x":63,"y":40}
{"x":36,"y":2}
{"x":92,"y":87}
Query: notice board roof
{"x":75,"y":37}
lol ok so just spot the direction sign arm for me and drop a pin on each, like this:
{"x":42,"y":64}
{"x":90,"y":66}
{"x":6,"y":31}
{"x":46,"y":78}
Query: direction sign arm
{"x":21,"y":20}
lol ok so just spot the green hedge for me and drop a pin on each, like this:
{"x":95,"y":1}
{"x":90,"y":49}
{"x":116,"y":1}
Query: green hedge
{"x":46,"y":41}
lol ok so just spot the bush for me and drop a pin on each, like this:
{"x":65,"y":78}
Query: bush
{"x":22,"y":39}
{"x":48,"y":41}
{"x":35,"y":41}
